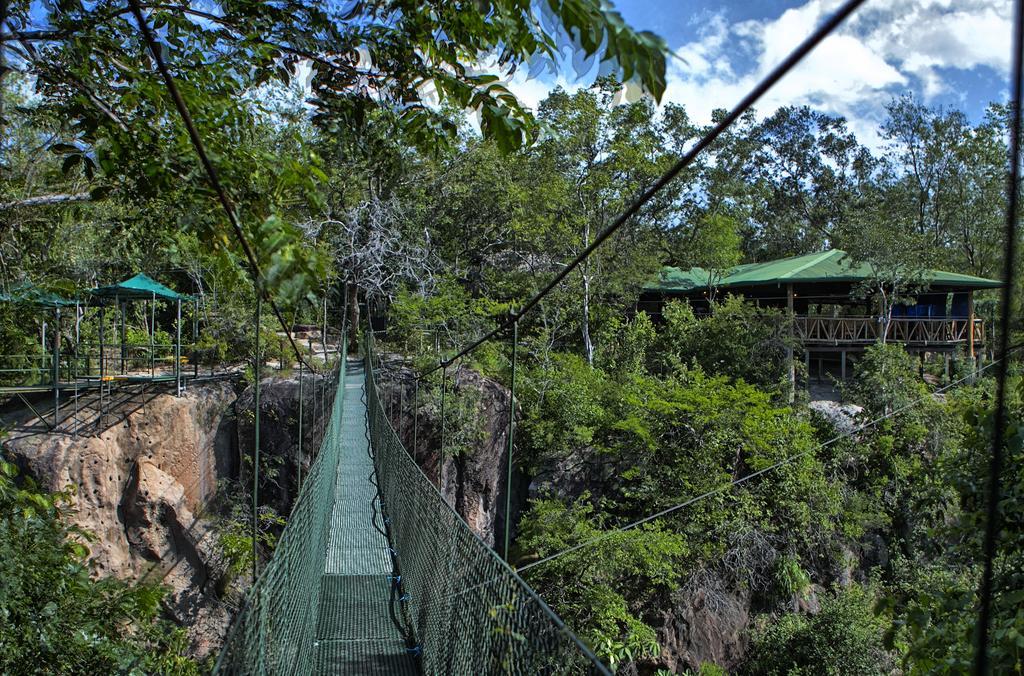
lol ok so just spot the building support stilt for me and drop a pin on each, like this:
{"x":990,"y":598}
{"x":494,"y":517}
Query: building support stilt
{"x":789,"y":348}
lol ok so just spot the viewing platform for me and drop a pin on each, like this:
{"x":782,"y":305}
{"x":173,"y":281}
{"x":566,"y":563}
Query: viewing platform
{"x":915,"y":333}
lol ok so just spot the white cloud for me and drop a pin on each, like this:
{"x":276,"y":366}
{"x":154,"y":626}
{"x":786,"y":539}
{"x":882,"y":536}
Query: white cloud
{"x":884,"y":49}
{"x":531,"y":90}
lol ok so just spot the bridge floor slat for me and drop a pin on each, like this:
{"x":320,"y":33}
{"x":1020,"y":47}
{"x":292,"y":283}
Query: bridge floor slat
{"x":367,"y":658}
{"x":355,"y":607}
{"x":356,"y":633}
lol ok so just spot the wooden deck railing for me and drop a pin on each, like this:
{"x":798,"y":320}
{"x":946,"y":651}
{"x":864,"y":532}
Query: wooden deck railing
{"x":815,"y":330}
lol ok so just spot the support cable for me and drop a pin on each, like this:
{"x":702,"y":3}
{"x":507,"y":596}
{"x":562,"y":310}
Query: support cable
{"x":999,"y":423}
{"x":415,"y":414}
{"x":764,"y":470}
{"x":298,"y":481}
{"x":745,"y":104}
{"x":197,"y":143}
{"x":444,"y":388}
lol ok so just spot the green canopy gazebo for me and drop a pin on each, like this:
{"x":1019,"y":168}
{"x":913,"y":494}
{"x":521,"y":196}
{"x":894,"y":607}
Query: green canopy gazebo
{"x":142,"y":288}
{"x":69,"y":377}
{"x":26,"y":293}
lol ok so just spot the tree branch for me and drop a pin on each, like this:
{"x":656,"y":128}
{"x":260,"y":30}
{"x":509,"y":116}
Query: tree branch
{"x":46,"y":200}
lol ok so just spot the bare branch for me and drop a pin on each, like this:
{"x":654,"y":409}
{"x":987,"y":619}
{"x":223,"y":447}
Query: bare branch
{"x":46,"y":200}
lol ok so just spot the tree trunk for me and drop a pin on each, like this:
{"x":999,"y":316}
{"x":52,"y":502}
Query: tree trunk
{"x":886,"y":319}
{"x":352,"y":291}
{"x":588,"y":343}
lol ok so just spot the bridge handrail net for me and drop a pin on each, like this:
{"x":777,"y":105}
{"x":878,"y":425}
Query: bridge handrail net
{"x":275,"y":631}
{"x":470,"y":613}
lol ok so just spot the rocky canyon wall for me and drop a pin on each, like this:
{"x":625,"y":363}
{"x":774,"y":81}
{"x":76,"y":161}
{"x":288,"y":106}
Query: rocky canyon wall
{"x":141,"y":486}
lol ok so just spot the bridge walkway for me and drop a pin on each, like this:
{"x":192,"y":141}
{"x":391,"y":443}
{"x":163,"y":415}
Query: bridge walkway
{"x":357,"y":624}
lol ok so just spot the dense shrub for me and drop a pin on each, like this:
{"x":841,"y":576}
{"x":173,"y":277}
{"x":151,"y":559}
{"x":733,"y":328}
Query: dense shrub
{"x":737,"y":339}
{"x":55,"y":617}
{"x":844,"y":638}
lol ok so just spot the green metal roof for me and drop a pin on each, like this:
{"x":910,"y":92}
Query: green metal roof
{"x":832,"y":266}
{"x":30,"y":294}
{"x":139,"y":287}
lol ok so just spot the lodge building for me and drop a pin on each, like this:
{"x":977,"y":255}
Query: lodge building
{"x":832,"y":317}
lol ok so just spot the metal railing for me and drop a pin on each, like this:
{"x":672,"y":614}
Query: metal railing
{"x":822,"y":330}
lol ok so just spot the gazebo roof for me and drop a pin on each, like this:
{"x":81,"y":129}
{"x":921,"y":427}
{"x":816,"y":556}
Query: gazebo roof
{"x":827,"y":267}
{"x":139,"y":287}
{"x":31,"y":294}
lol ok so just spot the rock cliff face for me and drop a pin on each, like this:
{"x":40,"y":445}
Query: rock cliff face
{"x":142,"y":485}
{"x":279,"y":427}
{"x":472,"y":472}
{"x":703,"y":626}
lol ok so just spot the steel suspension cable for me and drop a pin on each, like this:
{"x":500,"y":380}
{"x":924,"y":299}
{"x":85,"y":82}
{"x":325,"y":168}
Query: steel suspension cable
{"x":747,"y":102}
{"x":444,"y":390}
{"x":764,"y":470}
{"x":257,"y":367}
{"x":999,"y":423}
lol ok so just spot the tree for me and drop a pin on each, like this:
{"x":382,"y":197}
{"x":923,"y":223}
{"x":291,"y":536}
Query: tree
{"x":898,"y":262}
{"x":600,"y":156}
{"x":92,"y":70}
{"x":935,"y":597}
{"x":949,"y":179}
{"x":717,"y":250}
{"x":808,"y":171}
{"x":376,"y":256}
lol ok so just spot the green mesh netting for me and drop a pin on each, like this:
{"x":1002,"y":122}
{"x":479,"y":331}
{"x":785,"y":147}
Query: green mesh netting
{"x":275,"y":631}
{"x":470,"y":613}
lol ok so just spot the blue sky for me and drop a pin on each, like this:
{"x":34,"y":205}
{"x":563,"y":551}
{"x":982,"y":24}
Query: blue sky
{"x":948,"y":53}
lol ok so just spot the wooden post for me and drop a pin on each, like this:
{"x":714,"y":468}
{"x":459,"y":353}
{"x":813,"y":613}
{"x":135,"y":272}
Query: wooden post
{"x":789,"y":348}
{"x":970,"y":327}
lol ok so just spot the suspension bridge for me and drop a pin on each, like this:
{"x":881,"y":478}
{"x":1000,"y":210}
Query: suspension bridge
{"x":377,"y":574}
